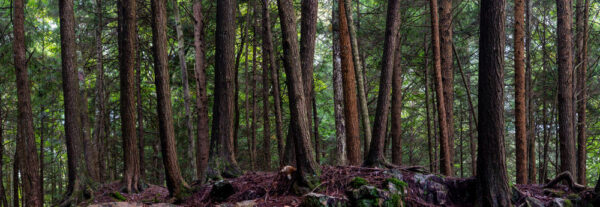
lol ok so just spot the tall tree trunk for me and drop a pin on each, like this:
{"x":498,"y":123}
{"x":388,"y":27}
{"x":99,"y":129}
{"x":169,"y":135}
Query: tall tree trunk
{"x":266,"y":125}
{"x":375,"y":156}
{"x":472,"y":146}
{"x":238,"y":58}
{"x":308,"y":35}
{"x":338,"y":95}
{"x":316,"y":129}
{"x":222,"y":153}
{"x":445,"y":158}
{"x":140,"y":110}
{"x":565,"y":87}
{"x":349,"y":89}
{"x":29,"y":160}
{"x":127,"y":58}
{"x":581,"y":65}
{"x":252,"y":141}
{"x":271,"y":66}
{"x":3,"y":198}
{"x":202,"y":142}
{"x":15,"y":179}
{"x":446,"y":33}
{"x":520,"y":113}
{"x":358,"y":64}
{"x":531,"y":126}
{"x":99,"y":133}
{"x":492,"y":179}
{"x":89,"y":147}
{"x":186,"y":87}
{"x":396,"y":127}
{"x":42,"y":130}
{"x":430,"y":145}
{"x":305,"y":162}
{"x":175,"y":182}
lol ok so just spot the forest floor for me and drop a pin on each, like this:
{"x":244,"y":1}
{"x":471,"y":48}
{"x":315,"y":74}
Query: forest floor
{"x":341,"y":185}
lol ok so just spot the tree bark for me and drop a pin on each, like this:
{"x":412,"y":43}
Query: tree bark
{"x":99,"y":133}
{"x":446,"y":33}
{"x":491,"y":165}
{"x":89,"y":147}
{"x":238,"y":58}
{"x":222,"y":127}
{"x":531,"y":126}
{"x":430,"y":145}
{"x":445,"y":158}
{"x":520,"y":113}
{"x":362,"y":97}
{"x":140,"y":111}
{"x":375,"y":156}
{"x":29,"y":160}
{"x":349,"y":89}
{"x":3,"y":198}
{"x":202,"y":142}
{"x":338,"y":95}
{"x":175,"y":182}
{"x":316,"y":130}
{"x":581,"y":65}
{"x":396,"y":127}
{"x":565,"y":87}
{"x":252,"y":141}
{"x":15,"y":180}
{"x":308,"y":35}
{"x":306,"y":165}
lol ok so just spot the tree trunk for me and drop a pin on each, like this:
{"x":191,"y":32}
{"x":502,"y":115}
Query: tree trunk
{"x":338,"y":95}
{"x":266,"y":125}
{"x":430,"y":145}
{"x":520,"y":113}
{"x":99,"y":134}
{"x":565,"y":87}
{"x":396,"y":128}
{"x":375,"y":156}
{"x":446,"y":33}
{"x":238,"y":58}
{"x":358,"y":64}
{"x":305,"y":162}
{"x":186,"y":88}
{"x":175,"y":182}
{"x":531,"y":126}
{"x":29,"y":160}
{"x":15,"y":179}
{"x":445,"y":158}
{"x":89,"y":147}
{"x":140,"y":111}
{"x":271,"y":66}
{"x":252,"y":141}
{"x":349,"y":90}
{"x":581,"y":65}
{"x":3,"y":198}
{"x":491,"y":165}
{"x":202,"y":142}
{"x":308,"y":35}
{"x":222,"y":153}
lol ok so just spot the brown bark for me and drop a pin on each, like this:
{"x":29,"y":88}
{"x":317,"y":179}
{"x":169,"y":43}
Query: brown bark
{"x":175,"y":182}
{"x":531,"y":127}
{"x":140,"y":111}
{"x":299,"y":116}
{"x":222,"y":126}
{"x":396,"y":127}
{"x":269,"y":58}
{"x":358,"y":64}
{"x":266,"y":125}
{"x":349,"y":90}
{"x":445,"y":158}
{"x":308,"y":35}
{"x":446,"y":33}
{"x":29,"y":160}
{"x":581,"y":65}
{"x":375,"y":156}
{"x":338,"y":95}
{"x":252,"y":141}
{"x":430,"y":145}
{"x":520,"y":113}
{"x":316,"y":130}
{"x":99,"y":133}
{"x":492,"y":185}
{"x":202,"y":142}
{"x":565,"y":87}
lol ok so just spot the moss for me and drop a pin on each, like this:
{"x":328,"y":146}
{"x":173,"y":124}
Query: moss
{"x":568,"y":203}
{"x":364,"y":203}
{"x":357,"y":182}
{"x":394,"y":201}
{"x":401,"y":185}
{"x":118,"y":196}
{"x":573,"y":196}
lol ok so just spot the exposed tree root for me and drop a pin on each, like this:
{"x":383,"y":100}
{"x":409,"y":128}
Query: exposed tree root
{"x":567,"y":177}
{"x":81,"y":192}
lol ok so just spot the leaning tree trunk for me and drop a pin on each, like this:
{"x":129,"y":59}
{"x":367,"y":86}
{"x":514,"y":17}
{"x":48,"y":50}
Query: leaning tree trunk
{"x":29,"y":160}
{"x":305,"y":162}
{"x":520,"y":113}
{"x":445,"y":158}
{"x":492,"y":185}
{"x":338,"y":95}
{"x":565,"y":87}
{"x":202,"y":142}
{"x":175,"y":182}
{"x":445,"y":27}
{"x":396,"y":125}
{"x":127,"y":52}
{"x":375,"y":156}
{"x":349,"y":89}
{"x":581,"y":64}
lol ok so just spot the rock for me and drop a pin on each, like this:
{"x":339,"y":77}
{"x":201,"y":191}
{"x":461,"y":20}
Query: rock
{"x":533,"y":202}
{"x":367,"y":192}
{"x":320,"y":200}
{"x":357,"y":182}
{"x":559,"y":202}
{"x":221,"y":190}
{"x":126,"y":204}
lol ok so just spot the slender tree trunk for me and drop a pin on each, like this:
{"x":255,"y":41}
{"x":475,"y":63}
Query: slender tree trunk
{"x":544,"y":165}
{"x":446,"y":33}
{"x":430,"y":145}
{"x":565,"y":87}
{"x":358,"y":64}
{"x":375,"y":156}
{"x":316,"y":130}
{"x":492,"y":179}
{"x":202,"y":142}
{"x":222,"y":159}
{"x":520,"y":113}
{"x":29,"y":160}
{"x":349,"y":89}
{"x":472,"y":146}
{"x":308,"y":35}
{"x":140,"y":110}
{"x":266,"y":125}
{"x":89,"y":147}
{"x":252,"y":141}
{"x":531,"y":126}
{"x":42,"y":130}
{"x":238,"y":58}
{"x":15,"y":179}
{"x":175,"y":182}
{"x":581,"y":65}
{"x":445,"y":158}
{"x":3,"y":198}
{"x":305,"y":162}
{"x":269,"y":58}
{"x":338,"y":95}
{"x":99,"y":133}
{"x":396,"y":127}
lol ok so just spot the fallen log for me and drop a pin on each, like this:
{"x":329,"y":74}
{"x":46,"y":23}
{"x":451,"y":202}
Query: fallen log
{"x":568,"y":178}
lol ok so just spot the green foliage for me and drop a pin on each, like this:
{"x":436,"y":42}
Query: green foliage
{"x":357,"y":182}
{"x":118,"y":196}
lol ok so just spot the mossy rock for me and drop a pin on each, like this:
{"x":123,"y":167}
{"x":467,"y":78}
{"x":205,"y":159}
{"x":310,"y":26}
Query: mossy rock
{"x":396,"y":186}
{"x":358,"y":182}
{"x":221,"y":190}
{"x":320,"y":200}
{"x":118,"y":196}
{"x":394,"y":201}
{"x":554,"y":193}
